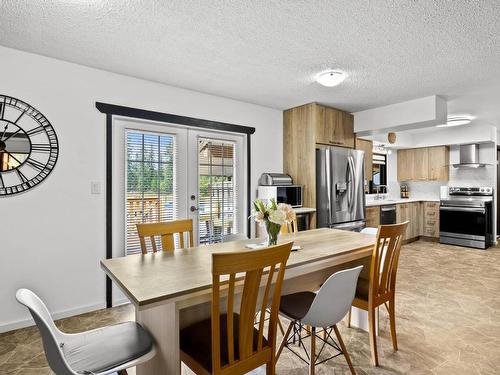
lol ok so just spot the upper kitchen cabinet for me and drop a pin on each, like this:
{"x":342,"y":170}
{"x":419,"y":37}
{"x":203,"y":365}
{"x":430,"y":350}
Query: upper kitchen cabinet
{"x":304,"y":128}
{"x":439,"y":163}
{"x":367,"y":147}
{"x":423,"y":164}
{"x":420,"y":159}
{"x":334,"y":127}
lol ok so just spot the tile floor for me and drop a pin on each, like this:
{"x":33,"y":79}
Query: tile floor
{"x":448,"y":316}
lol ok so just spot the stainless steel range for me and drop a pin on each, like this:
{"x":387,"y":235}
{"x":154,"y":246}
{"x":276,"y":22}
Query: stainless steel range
{"x":465,"y":217}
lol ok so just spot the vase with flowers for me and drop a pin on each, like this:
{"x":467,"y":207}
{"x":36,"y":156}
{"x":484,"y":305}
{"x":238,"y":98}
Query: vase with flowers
{"x":272,"y":215}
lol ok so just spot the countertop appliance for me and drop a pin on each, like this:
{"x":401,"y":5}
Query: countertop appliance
{"x":270,"y":179}
{"x":340,"y":198}
{"x":465,"y":217}
{"x":405,"y":191}
{"x":290,"y":194}
{"x":388,"y":214}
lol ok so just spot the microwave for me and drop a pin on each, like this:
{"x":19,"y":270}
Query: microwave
{"x":289,"y":194}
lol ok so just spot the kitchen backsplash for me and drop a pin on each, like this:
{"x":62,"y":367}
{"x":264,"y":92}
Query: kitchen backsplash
{"x":425,"y":189}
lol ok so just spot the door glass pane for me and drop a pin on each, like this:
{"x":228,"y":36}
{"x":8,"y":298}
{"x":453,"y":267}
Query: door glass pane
{"x":151,"y":182}
{"x":217,"y":190}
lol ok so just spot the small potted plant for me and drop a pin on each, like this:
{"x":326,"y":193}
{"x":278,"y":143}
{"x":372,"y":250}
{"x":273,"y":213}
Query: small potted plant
{"x":272,"y":216}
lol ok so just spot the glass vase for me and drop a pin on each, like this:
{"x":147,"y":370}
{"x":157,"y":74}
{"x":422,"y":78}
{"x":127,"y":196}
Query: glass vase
{"x":273,"y":231}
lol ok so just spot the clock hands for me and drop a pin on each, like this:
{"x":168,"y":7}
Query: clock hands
{"x":13,"y":134}
{"x":4,"y":131}
{"x":13,"y":157}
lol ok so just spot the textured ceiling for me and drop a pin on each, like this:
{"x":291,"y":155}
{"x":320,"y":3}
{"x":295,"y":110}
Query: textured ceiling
{"x":267,"y":52}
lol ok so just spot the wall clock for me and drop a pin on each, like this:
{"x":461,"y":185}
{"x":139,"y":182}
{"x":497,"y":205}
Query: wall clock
{"x":28,"y":146}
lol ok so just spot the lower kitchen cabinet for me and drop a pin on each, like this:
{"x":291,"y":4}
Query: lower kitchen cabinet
{"x":412,"y":213}
{"x":430,"y":224}
{"x":373,"y":216}
{"x":422,"y":217}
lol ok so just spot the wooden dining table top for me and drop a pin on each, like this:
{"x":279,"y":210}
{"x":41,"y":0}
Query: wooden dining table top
{"x":154,"y":277}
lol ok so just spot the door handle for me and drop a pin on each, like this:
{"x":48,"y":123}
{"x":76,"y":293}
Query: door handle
{"x":193,"y":208}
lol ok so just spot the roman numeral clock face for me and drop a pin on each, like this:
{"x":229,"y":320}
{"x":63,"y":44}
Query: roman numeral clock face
{"x":28,"y":146}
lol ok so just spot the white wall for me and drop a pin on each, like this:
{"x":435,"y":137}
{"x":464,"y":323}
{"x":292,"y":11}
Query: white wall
{"x":412,"y":114}
{"x":53,"y":237}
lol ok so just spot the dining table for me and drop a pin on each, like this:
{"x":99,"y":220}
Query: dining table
{"x":172,"y":289}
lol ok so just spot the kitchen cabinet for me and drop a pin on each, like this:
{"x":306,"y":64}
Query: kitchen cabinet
{"x":420,"y":159}
{"x":423,"y":164}
{"x":305,"y":127}
{"x":405,"y":165}
{"x":430,"y":225}
{"x":439,"y":161}
{"x":367,"y":147}
{"x":373,"y":216}
{"x":334,"y":127}
{"x":410,"y":212}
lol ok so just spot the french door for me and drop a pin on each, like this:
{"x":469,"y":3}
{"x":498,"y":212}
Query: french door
{"x":173,"y":172}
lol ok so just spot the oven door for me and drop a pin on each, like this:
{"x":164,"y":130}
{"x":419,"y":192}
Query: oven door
{"x":463,"y":222}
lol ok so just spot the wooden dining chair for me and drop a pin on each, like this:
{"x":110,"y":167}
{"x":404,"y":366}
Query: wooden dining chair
{"x":290,"y":227}
{"x":228,"y":343}
{"x":380,"y":289}
{"x":166,"y":231}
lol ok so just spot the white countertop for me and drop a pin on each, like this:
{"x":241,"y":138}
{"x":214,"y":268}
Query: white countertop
{"x":383,"y":202}
{"x":304,"y":210}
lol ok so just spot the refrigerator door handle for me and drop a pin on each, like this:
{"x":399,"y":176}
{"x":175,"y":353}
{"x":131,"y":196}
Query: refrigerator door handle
{"x":329,"y":186}
{"x":350,"y":192}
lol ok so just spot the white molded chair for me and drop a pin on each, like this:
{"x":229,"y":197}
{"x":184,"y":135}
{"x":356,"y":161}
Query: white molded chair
{"x":370,"y":230}
{"x":323,"y":309}
{"x":100,"y":351}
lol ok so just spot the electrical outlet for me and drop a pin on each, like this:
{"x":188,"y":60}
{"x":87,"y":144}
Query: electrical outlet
{"x":95,"y":187}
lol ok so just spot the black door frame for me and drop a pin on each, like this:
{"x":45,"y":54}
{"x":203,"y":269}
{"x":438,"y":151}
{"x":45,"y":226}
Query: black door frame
{"x":117,"y":110}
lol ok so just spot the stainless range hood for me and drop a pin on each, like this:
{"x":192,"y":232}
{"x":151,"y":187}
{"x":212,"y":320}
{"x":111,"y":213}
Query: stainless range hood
{"x":469,"y":157}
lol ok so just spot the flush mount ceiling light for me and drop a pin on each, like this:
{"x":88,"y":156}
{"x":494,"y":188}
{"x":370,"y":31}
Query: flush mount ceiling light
{"x":331,"y":78}
{"x":456,"y":121}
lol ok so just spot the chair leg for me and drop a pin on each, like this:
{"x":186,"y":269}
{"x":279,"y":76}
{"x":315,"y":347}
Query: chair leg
{"x":280,"y":326}
{"x":283,"y":342}
{"x":312,"y":363}
{"x":270,"y":367}
{"x":349,"y":317}
{"x":392,"y":319}
{"x":373,"y":334}
{"x":344,"y":349}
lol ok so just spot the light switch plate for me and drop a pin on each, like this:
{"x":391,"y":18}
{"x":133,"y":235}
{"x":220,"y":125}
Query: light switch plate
{"x":95,"y":187}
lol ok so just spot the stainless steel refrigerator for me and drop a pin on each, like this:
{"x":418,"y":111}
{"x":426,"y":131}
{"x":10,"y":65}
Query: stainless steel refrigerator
{"x":340,"y":196}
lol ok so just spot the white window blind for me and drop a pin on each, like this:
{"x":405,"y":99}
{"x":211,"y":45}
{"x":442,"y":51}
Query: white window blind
{"x":151,"y":194}
{"x":217,"y":190}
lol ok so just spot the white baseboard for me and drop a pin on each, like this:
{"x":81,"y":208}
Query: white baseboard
{"x":5,"y":327}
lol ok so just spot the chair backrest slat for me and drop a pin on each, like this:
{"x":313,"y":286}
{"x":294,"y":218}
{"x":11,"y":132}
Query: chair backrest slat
{"x":247,"y":312}
{"x":259,"y":268}
{"x":230,"y":318}
{"x":385,"y":258}
{"x":166,"y":231}
{"x":270,"y":277}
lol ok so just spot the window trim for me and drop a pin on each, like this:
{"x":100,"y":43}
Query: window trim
{"x":111,"y":110}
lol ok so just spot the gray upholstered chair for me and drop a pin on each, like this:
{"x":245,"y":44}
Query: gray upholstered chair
{"x":323,"y":309}
{"x":98,"y":352}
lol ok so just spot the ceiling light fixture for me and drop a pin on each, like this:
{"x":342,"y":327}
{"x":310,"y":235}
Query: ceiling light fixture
{"x":456,"y":121}
{"x":331,"y":78}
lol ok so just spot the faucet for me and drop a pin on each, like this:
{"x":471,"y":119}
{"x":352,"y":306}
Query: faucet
{"x":378,"y":191}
